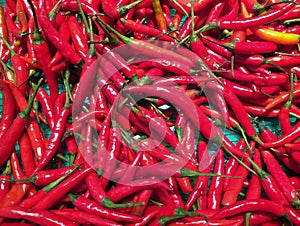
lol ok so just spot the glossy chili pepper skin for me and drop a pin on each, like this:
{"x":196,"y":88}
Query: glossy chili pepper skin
{"x":254,"y":21}
{"x":54,"y":140}
{"x":12,"y":135}
{"x":36,"y":216}
{"x":78,"y":38}
{"x":90,"y":206}
{"x":81,"y":217}
{"x":63,"y":188}
{"x":65,"y":49}
{"x":280,"y":177}
{"x":8,"y":108}
{"x":216,"y":187}
{"x":250,"y":205}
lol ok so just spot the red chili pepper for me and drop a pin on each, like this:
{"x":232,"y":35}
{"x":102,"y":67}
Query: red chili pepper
{"x":121,"y":191}
{"x":215,"y":12}
{"x":41,"y":217}
{"x":15,"y":195}
{"x":199,"y":185}
{"x":244,"y":23}
{"x":56,"y":135}
{"x":5,"y":183}
{"x":254,"y":189}
{"x":21,"y":15}
{"x":64,"y":30}
{"x":26,"y":154}
{"x":254,"y":47}
{"x":267,"y":136}
{"x":92,"y":207}
{"x":216,"y":186}
{"x":284,"y":139}
{"x":62,"y":189}
{"x":47,"y":106}
{"x":233,"y":12}
{"x":82,"y":217}
{"x":144,"y":29}
{"x":230,"y":169}
{"x":3,"y":30}
{"x":283,"y":97}
{"x":56,"y":39}
{"x":42,"y":193}
{"x":20,"y":69}
{"x":243,"y":206}
{"x":111,"y":9}
{"x":78,"y":38}
{"x":280,"y":177}
{"x":15,"y":131}
{"x":209,"y":131}
{"x":8,"y":108}
{"x":235,"y":185}
{"x":293,"y":215}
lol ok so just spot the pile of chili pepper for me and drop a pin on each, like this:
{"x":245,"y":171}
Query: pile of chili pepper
{"x":72,"y":134}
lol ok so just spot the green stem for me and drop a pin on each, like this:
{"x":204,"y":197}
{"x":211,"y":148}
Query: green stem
{"x":53,"y":184}
{"x":178,"y":214}
{"x":106,"y":202}
{"x":26,"y":112}
{"x":123,"y":9}
{"x":68,"y":90}
{"x":184,"y":172}
{"x":119,"y":35}
{"x":83,"y":16}
{"x":52,"y":14}
{"x":12,"y":52}
{"x":180,"y":7}
{"x":288,"y":103}
{"x":7,"y":170}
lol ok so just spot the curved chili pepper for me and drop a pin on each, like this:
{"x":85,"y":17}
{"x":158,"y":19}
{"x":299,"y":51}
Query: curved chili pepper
{"x":144,"y":29}
{"x":56,"y":39}
{"x":210,"y":127}
{"x":21,"y":15}
{"x":62,"y":189}
{"x":279,"y":176}
{"x":82,"y":217}
{"x":15,"y":195}
{"x":284,"y":139}
{"x":276,"y":36}
{"x":267,"y":136}
{"x":254,"y":189}
{"x":215,"y":12}
{"x":8,"y":108}
{"x":232,"y":13}
{"x":41,"y":217}
{"x":5,"y":183}
{"x":293,"y":215}
{"x":244,"y":23}
{"x":78,"y":38}
{"x":216,"y":186}
{"x":92,"y":207}
{"x":26,"y":154}
{"x":283,"y":97}
{"x":243,"y":206}
{"x":253,"y":47}
{"x":15,"y":131}
{"x":199,"y":185}
{"x":54,"y":139}
{"x":234,"y":187}
{"x":47,"y":107}
{"x":3,"y":30}
{"x":64,"y":30}
{"x":42,"y":193}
